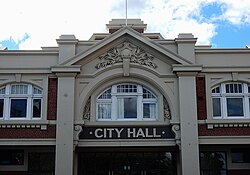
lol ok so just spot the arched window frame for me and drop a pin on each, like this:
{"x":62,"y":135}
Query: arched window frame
{"x":21,"y":101}
{"x":146,"y":102}
{"x":231,"y":101}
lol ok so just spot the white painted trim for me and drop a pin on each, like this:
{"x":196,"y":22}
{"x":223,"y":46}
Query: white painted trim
{"x":27,"y":142}
{"x":224,"y":140}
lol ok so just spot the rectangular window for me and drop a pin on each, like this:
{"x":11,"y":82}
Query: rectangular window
{"x":216,"y":107}
{"x":127,"y":107}
{"x":11,"y":157}
{"x":240,"y":155}
{"x":36,"y":108}
{"x":41,"y":163}
{"x":104,"y":111}
{"x":213,"y":163}
{"x":149,"y":110}
{"x":1,"y":107}
{"x":18,"y":108}
{"x":235,"y":107}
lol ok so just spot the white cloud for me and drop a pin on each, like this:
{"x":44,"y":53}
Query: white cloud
{"x":236,"y":12}
{"x":176,"y":17}
{"x":44,"y":21}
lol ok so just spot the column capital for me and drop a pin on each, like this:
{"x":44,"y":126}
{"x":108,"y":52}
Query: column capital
{"x":66,"y":71}
{"x":186,"y":70}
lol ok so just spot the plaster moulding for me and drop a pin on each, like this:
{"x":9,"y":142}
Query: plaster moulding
{"x":126,"y":50}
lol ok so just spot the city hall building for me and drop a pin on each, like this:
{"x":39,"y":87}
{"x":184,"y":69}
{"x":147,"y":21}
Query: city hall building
{"x":125,"y":102}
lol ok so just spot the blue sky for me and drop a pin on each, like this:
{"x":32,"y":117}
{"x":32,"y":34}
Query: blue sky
{"x":220,"y":23}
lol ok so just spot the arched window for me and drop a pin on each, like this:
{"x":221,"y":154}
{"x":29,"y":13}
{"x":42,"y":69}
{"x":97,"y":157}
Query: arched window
{"x":127,"y":102}
{"x":231,"y":100}
{"x":20,"y":101}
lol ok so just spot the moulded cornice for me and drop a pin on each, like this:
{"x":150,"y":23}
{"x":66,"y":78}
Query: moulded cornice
{"x":224,"y":140}
{"x":42,"y":141}
{"x":67,"y":41}
{"x":29,"y":52}
{"x":185,"y":40}
{"x":66,"y":69}
{"x":226,"y":69}
{"x":216,"y":51}
{"x":186,"y":68}
{"x":25,"y":70}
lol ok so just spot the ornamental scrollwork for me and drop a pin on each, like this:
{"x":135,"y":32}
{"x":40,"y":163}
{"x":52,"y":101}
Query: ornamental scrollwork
{"x":86,"y":110}
{"x":111,"y":57}
{"x":167,"y":112}
{"x":140,"y":56}
{"x":126,"y":50}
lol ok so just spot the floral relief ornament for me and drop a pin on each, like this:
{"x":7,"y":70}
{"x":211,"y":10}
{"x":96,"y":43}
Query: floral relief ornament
{"x":116,"y":55}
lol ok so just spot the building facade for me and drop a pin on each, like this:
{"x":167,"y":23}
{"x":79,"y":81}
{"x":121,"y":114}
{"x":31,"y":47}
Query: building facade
{"x":125,"y":102}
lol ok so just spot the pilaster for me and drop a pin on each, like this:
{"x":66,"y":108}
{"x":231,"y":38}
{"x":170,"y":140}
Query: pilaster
{"x":65,"y":119}
{"x":189,"y":146}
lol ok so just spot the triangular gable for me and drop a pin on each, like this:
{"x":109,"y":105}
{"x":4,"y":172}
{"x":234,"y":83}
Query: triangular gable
{"x":134,"y":34}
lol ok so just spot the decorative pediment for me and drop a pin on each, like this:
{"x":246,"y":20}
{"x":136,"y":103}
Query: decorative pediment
{"x":129,"y":51}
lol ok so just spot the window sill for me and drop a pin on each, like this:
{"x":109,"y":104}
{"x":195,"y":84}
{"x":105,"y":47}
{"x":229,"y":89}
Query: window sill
{"x":227,"y":123}
{"x":29,"y":124}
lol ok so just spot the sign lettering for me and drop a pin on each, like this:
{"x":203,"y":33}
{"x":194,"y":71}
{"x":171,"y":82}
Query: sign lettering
{"x":144,"y":132}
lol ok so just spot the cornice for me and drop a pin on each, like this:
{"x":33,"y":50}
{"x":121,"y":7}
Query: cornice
{"x":66,"y":69}
{"x":29,"y":52}
{"x":186,"y":68}
{"x":222,"y":51}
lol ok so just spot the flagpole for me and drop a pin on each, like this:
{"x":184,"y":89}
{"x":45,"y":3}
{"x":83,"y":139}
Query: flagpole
{"x":126,"y":12}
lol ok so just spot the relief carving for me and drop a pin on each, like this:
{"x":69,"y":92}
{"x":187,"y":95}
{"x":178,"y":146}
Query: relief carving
{"x":86,"y":110}
{"x":126,"y":50}
{"x":167,"y":112}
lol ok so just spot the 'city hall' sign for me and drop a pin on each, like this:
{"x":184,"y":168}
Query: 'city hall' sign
{"x":143,"y":132}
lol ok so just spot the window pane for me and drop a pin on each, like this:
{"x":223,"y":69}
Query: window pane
{"x":147,"y":94}
{"x":216,"y":90}
{"x":127,"y":88}
{"x":37,"y":90}
{"x":104,"y":111}
{"x":106,"y":95}
{"x":235,"y":107}
{"x":127,"y":107}
{"x":216,"y":107}
{"x":11,"y":157}
{"x":19,"y":89}
{"x":2,"y":91}
{"x":1,"y":107}
{"x":237,"y":157}
{"x":36,"y":108}
{"x":234,"y":88}
{"x":149,"y":110}
{"x":240,"y":155}
{"x":18,"y":108}
{"x":212,"y":163}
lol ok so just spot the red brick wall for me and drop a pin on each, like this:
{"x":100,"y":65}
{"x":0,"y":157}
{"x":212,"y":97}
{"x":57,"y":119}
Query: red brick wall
{"x":52,"y":99}
{"x":201,"y":98}
{"x":238,"y":172}
{"x":28,"y":132}
{"x":239,"y":131}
